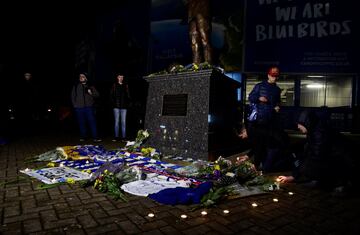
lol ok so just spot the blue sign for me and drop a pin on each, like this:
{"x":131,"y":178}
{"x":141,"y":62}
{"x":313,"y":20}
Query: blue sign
{"x":313,"y":36}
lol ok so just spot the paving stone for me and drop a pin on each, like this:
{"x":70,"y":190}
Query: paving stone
{"x":112,"y":219}
{"x":201,"y":229}
{"x":33,"y":225}
{"x":219,"y":228}
{"x":86,"y":221}
{"x":48,"y":215}
{"x":169,"y":230}
{"x":153,"y":232}
{"x":153,"y":225}
{"x":107,"y":228}
{"x":12,"y":228}
{"x":14,"y":192}
{"x":11,"y":211}
{"x":59,"y":223}
{"x":21,"y":218}
{"x":128,"y":227}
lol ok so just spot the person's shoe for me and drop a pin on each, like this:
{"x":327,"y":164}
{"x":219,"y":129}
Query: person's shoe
{"x":97,"y":140}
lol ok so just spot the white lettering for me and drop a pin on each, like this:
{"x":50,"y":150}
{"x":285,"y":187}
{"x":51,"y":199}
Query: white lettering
{"x":320,"y":27}
{"x":347,"y":29}
{"x":302,"y":30}
{"x":285,"y":14}
{"x":280,"y":31}
{"x":260,"y":33}
{"x":334,"y":28}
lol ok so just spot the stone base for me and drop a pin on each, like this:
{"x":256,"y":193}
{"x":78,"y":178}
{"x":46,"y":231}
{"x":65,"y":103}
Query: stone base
{"x":192,"y":114}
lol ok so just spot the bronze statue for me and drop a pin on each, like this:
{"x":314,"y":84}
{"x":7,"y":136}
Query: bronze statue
{"x":199,"y":20}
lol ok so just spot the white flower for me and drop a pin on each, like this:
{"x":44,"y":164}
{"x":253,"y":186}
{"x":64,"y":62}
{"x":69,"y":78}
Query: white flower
{"x":145,"y":133}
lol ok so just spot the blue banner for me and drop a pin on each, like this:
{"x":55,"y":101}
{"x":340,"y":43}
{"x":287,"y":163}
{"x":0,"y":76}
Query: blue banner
{"x":313,"y":36}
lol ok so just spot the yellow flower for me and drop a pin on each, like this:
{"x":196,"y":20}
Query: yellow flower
{"x":50,"y":164}
{"x":70,"y":181}
{"x":106,"y":171}
{"x":217,"y":167}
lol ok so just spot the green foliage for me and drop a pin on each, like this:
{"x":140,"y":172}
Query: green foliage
{"x":108,"y":183}
{"x":213,"y":197}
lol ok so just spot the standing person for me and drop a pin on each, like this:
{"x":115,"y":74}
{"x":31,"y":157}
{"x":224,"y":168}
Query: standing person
{"x":120,"y":101}
{"x":28,"y":103}
{"x":83,"y":98}
{"x":265,"y":130}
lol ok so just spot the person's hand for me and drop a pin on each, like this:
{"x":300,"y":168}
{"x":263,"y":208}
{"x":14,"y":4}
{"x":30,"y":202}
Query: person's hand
{"x":277,"y":109}
{"x":285,"y":179}
{"x":263,"y":99}
{"x":89,"y":91}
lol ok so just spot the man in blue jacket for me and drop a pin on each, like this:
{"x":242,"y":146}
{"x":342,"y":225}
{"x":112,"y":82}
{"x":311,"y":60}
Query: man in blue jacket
{"x":267,"y":136}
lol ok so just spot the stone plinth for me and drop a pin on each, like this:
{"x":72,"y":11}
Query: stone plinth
{"x":192,"y":114}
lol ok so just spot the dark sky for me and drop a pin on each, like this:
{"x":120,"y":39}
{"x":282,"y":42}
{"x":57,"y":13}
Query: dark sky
{"x":32,"y":35}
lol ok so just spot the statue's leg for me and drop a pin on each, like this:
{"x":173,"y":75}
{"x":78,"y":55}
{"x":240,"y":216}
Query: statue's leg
{"x":205,"y":32}
{"x":195,"y":42}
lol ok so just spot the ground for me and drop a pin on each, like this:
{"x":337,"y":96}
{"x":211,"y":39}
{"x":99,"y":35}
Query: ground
{"x":70,"y":209}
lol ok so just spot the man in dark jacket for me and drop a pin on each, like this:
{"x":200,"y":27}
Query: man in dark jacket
{"x":83,"y":98}
{"x":267,"y":136}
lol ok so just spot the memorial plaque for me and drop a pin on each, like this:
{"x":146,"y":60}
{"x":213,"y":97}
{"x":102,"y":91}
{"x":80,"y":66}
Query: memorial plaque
{"x":174,"y":105}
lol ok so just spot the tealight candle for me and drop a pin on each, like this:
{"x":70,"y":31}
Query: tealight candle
{"x":291,"y":193}
{"x":226,"y":211}
{"x":183,"y":216}
{"x":254,"y":204}
{"x":275,"y":199}
{"x":151,"y":215}
{"x":203,"y":213}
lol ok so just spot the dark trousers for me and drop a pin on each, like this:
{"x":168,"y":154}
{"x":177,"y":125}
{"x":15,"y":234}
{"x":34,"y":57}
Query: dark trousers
{"x":86,"y":116}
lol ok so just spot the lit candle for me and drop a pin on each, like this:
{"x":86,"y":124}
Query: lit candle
{"x":61,"y":165}
{"x":151,"y":215}
{"x":226,"y":211}
{"x":291,"y":193}
{"x":183,"y":216}
{"x":27,"y":169}
{"x":203,"y":213}
{"x":275,"y":200}
{"x":254,"y":204}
